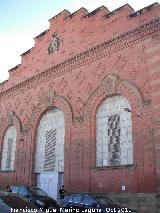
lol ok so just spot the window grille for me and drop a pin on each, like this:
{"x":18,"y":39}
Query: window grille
{"x":114,"y":139}
{"x":114,"y":133}
{"x":9,"y":153}
{"x":50,"y":146}
{"x":9,"y":150}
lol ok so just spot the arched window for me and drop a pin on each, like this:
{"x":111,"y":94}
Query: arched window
{"x":114,"y":133}
{"x":50,"y":142}
{"x":9,"y":150}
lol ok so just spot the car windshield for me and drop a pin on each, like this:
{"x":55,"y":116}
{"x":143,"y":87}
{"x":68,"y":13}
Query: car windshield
{"x":37,"y":192}
{"x":15,"y":202}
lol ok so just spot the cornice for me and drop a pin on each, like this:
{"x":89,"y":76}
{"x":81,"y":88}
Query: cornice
{"x":105,"y":49}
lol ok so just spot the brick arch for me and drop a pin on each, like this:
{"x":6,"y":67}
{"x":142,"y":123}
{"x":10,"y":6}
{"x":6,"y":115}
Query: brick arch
{"x":128,"y":89}
{"x":11,"y":120}
{"x":113,"y":85}
{"x":48,"y":102}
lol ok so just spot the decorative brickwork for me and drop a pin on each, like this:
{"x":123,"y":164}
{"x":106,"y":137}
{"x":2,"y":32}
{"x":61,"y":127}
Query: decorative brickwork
{"x":75,"y":70}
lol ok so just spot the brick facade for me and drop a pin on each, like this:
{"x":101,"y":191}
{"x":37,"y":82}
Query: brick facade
{"x":97,"y":55}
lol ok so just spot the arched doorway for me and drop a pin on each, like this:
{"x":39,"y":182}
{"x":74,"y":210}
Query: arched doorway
{"x":49,"y":156}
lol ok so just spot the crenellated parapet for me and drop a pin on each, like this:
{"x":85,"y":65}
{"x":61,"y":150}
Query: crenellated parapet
{"x":60,"y":16}
{"x":143,"y":10}
{"x":127,"y":9}
{"x":69,"y":35}
{"x":103,"y":50}
{"x":77,"y":14}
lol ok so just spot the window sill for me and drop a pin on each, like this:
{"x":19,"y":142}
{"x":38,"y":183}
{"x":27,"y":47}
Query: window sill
{"x":7,"y":171}
{"x":113,"y":167}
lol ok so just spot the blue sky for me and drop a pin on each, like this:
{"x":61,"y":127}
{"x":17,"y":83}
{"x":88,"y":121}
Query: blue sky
{"x":16,"y":14}
{"x":22,"y":20}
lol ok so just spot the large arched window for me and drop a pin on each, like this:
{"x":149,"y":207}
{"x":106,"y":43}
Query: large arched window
{"x":9,"y":150}
{"x":50,"y":142}
{"x":114,"y":133}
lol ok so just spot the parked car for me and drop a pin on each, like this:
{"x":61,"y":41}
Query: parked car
{"x":10,"y":202}
{"x":89,"y":203}
{"x":36,"y":196}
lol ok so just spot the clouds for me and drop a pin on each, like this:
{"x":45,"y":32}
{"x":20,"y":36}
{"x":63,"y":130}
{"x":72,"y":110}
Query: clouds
{"x":14,"y":44}
{"x":11,"y":48}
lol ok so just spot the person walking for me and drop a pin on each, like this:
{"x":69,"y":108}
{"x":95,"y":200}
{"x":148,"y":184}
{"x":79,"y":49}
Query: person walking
{"x":62,"y":192}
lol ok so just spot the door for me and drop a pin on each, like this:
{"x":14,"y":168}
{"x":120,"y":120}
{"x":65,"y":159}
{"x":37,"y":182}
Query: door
{"x":50,"y":182}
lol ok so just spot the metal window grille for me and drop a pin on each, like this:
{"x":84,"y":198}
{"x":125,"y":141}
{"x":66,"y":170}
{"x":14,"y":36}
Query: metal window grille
{"x":50,"y":146}
{"x":9,"y":154}
{"x":114,"y":139}
{"x":114,"y":145}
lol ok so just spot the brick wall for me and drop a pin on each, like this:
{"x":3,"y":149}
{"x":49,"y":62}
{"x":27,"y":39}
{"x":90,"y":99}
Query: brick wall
{"x":109,"y":53}
{"x":142,"y":202}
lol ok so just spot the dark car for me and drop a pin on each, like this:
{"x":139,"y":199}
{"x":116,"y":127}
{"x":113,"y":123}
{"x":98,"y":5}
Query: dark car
{"x":89,"y":203}
{"x":10,"y":202}
{"x":36,"y":196}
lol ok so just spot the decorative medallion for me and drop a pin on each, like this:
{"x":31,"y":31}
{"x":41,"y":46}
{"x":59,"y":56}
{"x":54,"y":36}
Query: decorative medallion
{"x":55,"y":43}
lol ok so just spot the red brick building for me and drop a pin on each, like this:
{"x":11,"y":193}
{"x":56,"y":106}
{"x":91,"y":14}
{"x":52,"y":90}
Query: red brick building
{"x":84,"y":104}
